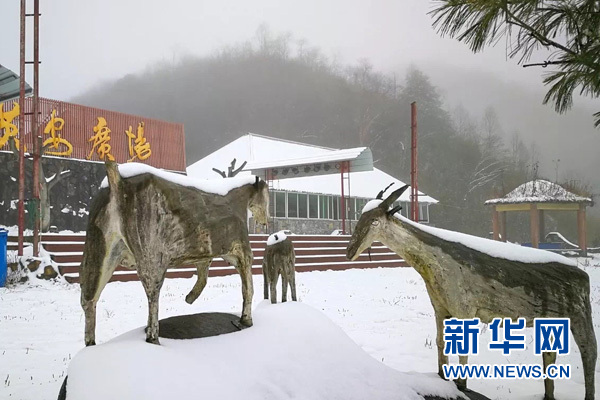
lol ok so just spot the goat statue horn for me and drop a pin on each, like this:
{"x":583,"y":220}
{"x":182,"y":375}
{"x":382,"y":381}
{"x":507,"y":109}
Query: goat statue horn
{"x":393,"y":197}
{"x":380,"y":194}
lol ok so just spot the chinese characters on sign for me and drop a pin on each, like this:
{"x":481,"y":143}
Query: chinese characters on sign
{"x":460,"y":336}
{"x":550,"y":335}
{"x":101,"y":139}
{"x":141,"y":149}
{"x":54,"y":126}
{"x":57,"y":145}
{"x":553,"y":334}
{"x":511,"y":341}
{"x":7,"y":127}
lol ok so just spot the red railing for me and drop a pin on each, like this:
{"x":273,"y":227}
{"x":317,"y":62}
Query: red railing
{"x":313,"y":253}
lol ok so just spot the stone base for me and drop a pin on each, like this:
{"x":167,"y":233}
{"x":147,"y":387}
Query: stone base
{"x":195,"y":326}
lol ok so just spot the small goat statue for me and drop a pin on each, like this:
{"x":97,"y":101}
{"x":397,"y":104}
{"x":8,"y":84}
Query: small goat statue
{"x":279,"y":259}
{"x":151,"y":220}
{"x":463,"y":282}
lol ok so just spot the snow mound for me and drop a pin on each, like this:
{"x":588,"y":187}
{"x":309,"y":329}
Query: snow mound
{"x":494,"y":248}
{"x":215,"y":186}
{"x":276,"y":237}
{"x":292,"y":352}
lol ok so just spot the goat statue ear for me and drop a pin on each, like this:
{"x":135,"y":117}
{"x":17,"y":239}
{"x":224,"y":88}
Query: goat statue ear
{"x":256,"y":182}
{"x":393,"y":197}
{"x":394,"y":210}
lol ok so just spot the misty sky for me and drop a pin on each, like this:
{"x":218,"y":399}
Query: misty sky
{"x":86,"y":42}
{"x":83,"y":42}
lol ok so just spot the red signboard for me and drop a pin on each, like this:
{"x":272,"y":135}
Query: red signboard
{"x":87,"y":133}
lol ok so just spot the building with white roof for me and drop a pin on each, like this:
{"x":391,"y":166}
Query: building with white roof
{"x":309,"y":204}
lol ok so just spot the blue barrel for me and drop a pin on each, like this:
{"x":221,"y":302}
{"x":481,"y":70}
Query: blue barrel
{"x":3,"y":266}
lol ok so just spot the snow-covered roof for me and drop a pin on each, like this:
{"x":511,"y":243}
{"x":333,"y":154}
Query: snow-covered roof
{"x":359,"y":159}
{"x":539,"y":191}
{"x":257,"y":148}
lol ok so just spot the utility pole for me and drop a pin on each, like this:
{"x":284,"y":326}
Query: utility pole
{"x":414,"y":186}
{"x":33,"y":126}
{"x":21,"y":207}
{"x":35,"y":129}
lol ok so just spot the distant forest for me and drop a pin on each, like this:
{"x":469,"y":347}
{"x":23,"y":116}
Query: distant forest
{"x":288,"y":89}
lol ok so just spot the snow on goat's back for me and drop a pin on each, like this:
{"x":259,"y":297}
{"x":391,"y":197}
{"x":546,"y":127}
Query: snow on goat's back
{"x":494,"y":248}
{"x":220,"y":186}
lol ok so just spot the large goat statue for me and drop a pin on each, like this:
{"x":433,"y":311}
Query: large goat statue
{"x":463,"y":282}
{"x":150,"y":220}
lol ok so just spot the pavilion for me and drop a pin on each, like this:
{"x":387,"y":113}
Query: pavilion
{"x":536,"y":197}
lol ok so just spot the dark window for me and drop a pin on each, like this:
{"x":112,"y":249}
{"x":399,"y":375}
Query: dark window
{"x":350,"y":206}
{"x":271,"y":203}
{"x":324,"y":201}
{"x":335,"y":201}
{"x":423,"y":212}
{"x":292,"y":205}
{"x":302,"y":206}
{"x":313,"y":206}
{"x":360,"y":204}
{"x":280,"y":204}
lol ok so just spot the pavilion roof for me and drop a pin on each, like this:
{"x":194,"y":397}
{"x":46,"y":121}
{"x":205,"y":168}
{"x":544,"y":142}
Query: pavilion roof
{"x":539,"y":191}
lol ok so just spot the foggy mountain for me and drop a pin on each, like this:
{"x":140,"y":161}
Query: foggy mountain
{"x":570,"y":138}
{"x":276,"y":87}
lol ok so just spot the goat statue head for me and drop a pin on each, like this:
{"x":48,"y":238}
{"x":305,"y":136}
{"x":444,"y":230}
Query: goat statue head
{"x":259,"y":202}
{"x":373,"y":221}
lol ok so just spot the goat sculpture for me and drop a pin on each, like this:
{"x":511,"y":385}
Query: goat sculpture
{"x":463,"y":282}
{"x":151,"y":220}
{"x":279,"y":259}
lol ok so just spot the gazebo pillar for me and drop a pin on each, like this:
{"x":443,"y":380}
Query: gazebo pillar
{"x":581,"y":233}
{"x":495,"y":224}
{"x":534,"y":226}
{"x":542,"y":234}
{"x":503,"y":226}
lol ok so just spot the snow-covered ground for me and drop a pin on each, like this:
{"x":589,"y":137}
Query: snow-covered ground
{"x":385,"y":311}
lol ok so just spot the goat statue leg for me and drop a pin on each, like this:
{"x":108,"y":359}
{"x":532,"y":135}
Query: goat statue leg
{"x":243,"y":264}
{"x":440,"y":316}
{"x":292,"y":280}
{"x":265,"y":273}
{"x":202,"y":272}
{"x":548,"y":358}
{"x":93,"y":278}
{"x":461,"y":384}
{"x":284,"y":286}
{"x":583,"y":332}
{"x":152,"y":280}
